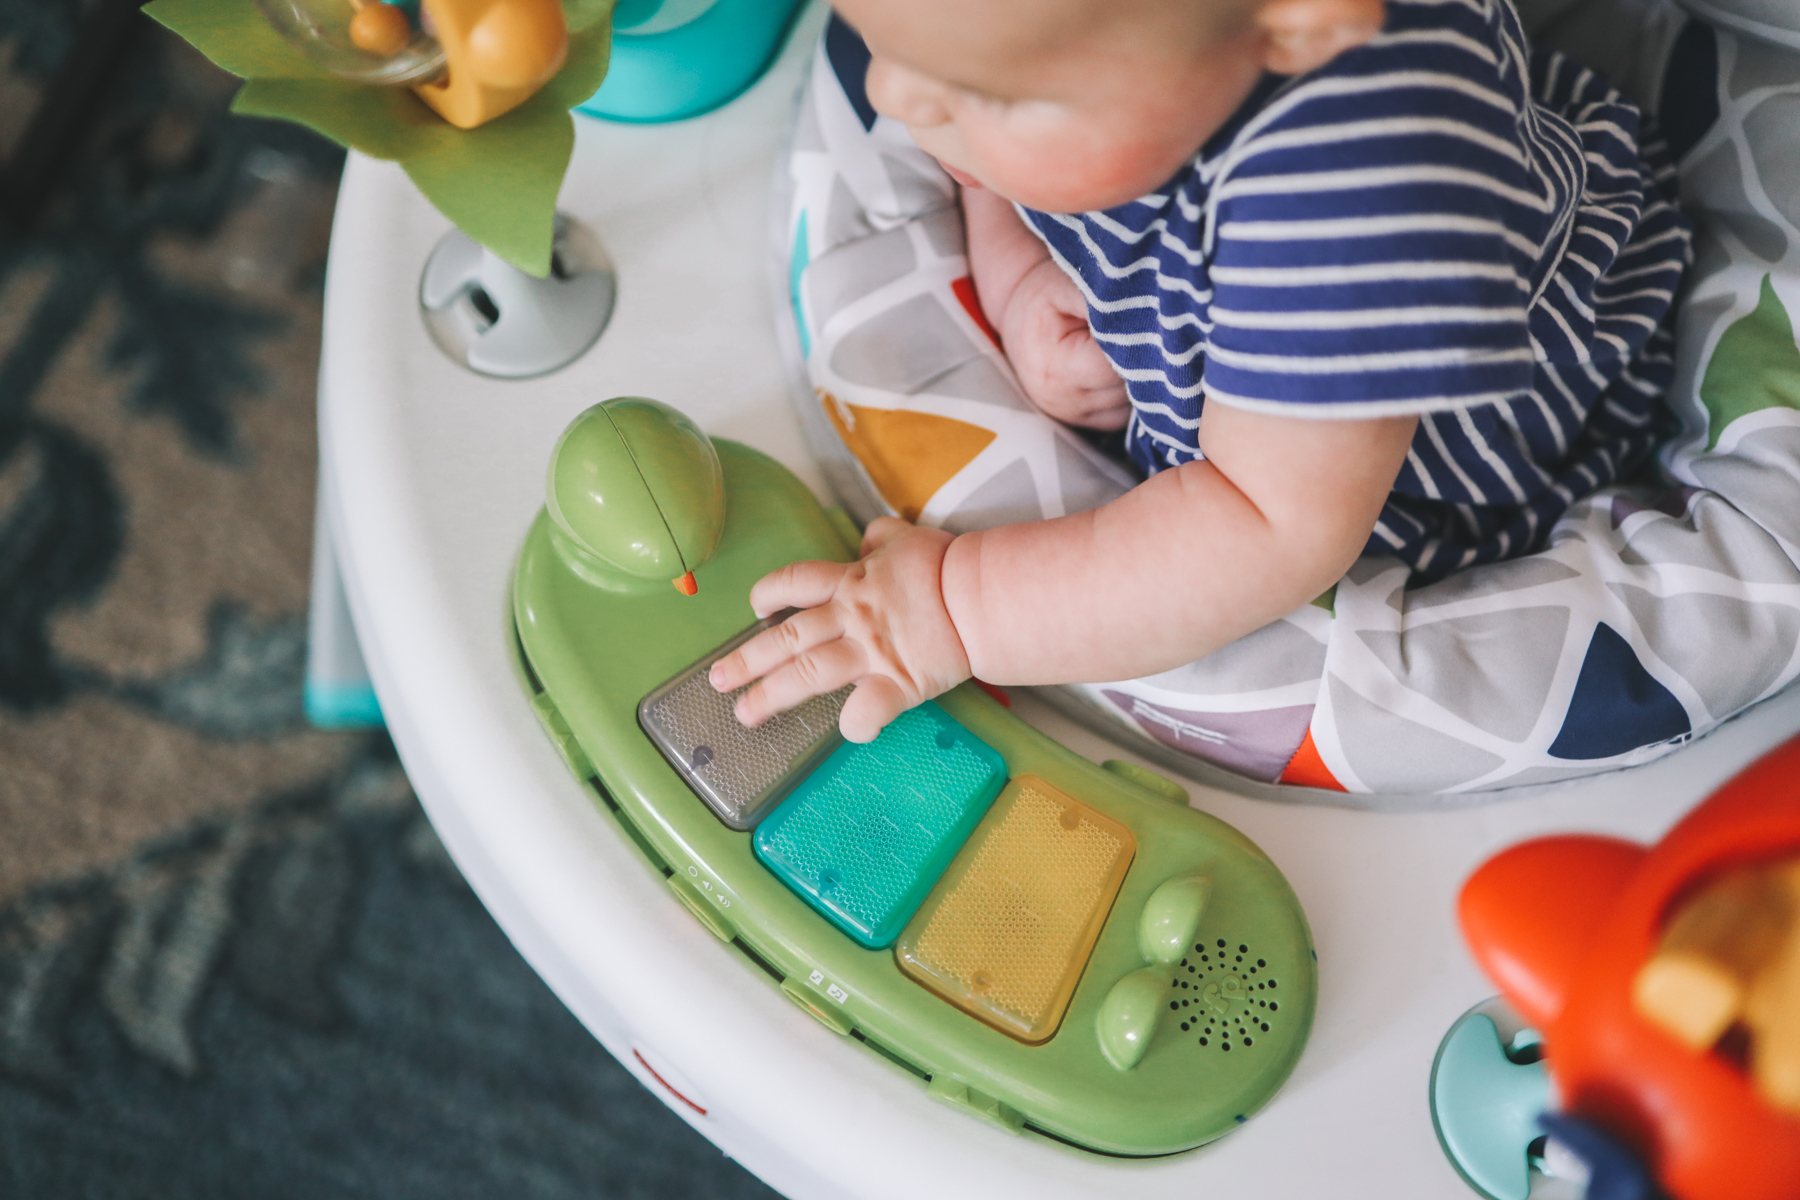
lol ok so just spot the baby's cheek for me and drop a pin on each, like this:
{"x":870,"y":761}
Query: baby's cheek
{"x":1081,"y":164}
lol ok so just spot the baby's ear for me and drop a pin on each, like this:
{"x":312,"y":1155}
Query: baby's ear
{"x":1305,"y":34}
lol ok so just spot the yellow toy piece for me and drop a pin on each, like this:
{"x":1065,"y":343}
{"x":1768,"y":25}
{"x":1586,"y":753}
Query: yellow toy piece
{"x":1715,"y":944}
{"x":1773,"y":1015}
{"x":380,"y":28}
{"x":497,"y":54}
{"x":1732,"y":954}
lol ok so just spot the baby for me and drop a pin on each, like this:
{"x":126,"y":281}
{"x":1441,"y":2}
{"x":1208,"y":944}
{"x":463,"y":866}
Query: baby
{"x":1352,"y":276}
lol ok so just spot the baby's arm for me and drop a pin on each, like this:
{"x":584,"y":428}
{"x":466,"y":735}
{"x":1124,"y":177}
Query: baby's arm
{"x":1041,"y":317}
{"x":1183,"y":564}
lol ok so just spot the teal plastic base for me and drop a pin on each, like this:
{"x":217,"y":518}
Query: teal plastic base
{"x":340,"y":706}
{"x":1485,"y":1103}
{"x":692,"y":68}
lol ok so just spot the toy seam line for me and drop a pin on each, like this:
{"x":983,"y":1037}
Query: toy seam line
{"x":642,"y":478}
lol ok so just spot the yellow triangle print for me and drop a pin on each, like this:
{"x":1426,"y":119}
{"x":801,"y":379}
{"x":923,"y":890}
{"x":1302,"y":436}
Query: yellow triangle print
{"x":908,"y":455}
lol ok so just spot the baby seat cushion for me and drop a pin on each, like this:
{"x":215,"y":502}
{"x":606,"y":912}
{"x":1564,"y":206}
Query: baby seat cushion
{"x":1650,"y":615}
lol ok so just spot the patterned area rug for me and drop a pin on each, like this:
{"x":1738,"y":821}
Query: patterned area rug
{"x":234,"y":960}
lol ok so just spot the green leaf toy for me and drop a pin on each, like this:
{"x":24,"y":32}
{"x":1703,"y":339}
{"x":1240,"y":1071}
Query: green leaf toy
{"x":470,"y":97}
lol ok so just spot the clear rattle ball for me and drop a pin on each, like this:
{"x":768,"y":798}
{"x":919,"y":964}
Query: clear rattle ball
{"x":365,"y":41}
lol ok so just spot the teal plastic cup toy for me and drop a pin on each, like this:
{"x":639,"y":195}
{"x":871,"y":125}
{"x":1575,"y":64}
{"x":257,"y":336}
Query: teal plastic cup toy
{"x":1047,"y":944}
{"x":679,"y":58}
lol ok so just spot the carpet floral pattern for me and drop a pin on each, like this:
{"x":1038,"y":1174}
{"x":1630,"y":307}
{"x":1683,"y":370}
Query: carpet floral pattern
{"x":234,"y":959}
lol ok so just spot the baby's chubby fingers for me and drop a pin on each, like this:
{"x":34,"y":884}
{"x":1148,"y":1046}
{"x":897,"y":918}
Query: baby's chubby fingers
{"x":879,"y":622}
{"x":773,"y":647}
{"x":805,"y":584}
{"x":880,"y":532}
{"x":874,"y":703}
{"x":824,"y":669}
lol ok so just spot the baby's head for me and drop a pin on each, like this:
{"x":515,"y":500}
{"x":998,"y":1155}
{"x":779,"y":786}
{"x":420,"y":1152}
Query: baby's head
{"x":1069,"y":105}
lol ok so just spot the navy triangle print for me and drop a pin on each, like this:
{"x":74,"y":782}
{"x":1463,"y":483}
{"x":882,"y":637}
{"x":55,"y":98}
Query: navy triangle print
{"x":1690,"y":95}
{"x":1617,"y":705}
{"x":850,"y":63}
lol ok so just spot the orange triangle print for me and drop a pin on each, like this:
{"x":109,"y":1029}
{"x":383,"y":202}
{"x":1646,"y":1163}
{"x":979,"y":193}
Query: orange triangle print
{"x":1307,"y":769}
{"x":908,"y":455}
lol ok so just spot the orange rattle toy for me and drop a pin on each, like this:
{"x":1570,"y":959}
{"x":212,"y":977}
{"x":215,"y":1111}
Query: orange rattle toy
{"x":497,"y":54}
{"x":469,"y":60}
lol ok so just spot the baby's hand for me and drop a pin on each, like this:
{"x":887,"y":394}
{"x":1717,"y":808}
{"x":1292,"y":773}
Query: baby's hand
{"x":879,"y":623}
{"x":1052,"y":350}
{"x":1041,"y":317}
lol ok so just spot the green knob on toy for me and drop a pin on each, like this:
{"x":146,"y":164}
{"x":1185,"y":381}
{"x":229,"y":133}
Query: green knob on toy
{"x":636,"y":496}
{"x":1127,"y":1018}
{"x":1170,"y":918}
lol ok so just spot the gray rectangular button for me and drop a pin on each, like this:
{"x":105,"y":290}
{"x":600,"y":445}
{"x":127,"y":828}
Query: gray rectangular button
{"x":740,"y":773}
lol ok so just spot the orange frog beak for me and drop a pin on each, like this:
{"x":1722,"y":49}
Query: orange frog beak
{"x":686,"y":585}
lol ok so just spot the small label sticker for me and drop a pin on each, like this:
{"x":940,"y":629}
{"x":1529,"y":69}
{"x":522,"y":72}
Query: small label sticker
{"x":817,"y":979}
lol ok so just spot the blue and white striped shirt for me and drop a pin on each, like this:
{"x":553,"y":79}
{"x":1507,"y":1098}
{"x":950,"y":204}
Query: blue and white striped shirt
{"x":1439,"y":222}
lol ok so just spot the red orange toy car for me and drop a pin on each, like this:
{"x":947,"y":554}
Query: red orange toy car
{"x":1566,"y":925}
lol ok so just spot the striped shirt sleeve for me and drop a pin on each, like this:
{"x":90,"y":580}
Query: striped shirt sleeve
{"x":1373,"y":248}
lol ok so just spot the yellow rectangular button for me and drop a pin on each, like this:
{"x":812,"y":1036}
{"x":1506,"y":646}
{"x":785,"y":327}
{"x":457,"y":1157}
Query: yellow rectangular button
{"x":1006,"y":933}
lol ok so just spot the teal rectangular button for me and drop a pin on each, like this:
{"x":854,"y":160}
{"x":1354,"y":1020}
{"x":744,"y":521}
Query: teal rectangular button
{"x":865,"y":837}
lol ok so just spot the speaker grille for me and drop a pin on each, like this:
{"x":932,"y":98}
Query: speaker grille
{"x":1226,"y":997}
{"x":1006,"y":934}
